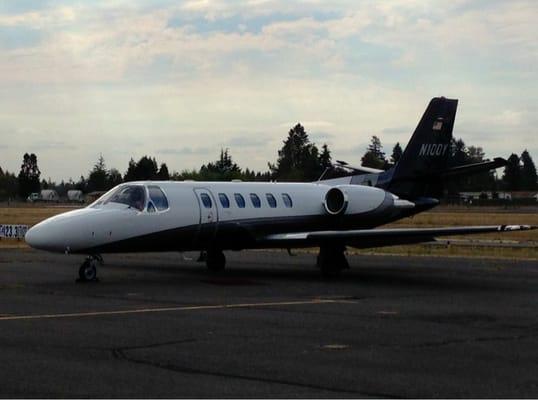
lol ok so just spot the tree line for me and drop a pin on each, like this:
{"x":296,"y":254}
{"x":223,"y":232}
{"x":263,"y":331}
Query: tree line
{"x":298,"y":159}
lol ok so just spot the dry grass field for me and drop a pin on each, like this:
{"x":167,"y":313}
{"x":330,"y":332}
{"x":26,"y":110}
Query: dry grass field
{"x":476,"y":217}
{"x":30,"y":215}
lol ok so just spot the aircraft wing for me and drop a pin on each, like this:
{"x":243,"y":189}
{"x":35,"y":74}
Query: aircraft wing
{"x":367,"y":238}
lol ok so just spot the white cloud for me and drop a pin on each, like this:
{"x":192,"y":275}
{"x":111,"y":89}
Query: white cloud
{"x":121,"y":74}
{"x":46,"y":19}
{"x":509,"y":118}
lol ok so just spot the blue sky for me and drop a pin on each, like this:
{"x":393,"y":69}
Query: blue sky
{"x":180,"y":80}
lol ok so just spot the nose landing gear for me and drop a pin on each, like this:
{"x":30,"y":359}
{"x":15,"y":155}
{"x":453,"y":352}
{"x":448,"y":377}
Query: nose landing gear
{"x":88,"y":270}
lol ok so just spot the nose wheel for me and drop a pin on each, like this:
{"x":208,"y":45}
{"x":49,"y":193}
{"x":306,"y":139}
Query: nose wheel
{"x":88,"y":270}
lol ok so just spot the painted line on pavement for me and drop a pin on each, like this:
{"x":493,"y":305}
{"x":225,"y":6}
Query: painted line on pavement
{"x":168,"y":309}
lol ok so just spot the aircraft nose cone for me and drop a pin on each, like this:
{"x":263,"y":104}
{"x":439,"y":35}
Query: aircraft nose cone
{"x":50,"y":235}
{"x":37,"y":238}
{"x":67,"y":232}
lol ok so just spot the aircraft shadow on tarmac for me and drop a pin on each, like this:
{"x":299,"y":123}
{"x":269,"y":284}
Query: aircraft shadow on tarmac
{"x":367,"y":274}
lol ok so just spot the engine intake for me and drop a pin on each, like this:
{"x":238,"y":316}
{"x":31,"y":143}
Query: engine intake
{"x":336,"y":201}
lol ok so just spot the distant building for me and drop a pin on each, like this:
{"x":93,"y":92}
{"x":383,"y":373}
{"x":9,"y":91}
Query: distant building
{"x":92,"y":196}
{"x":49,"y":195}
{"x":75,"y":196}
{"x":501,"y":195}
{"x":524,"y":195}
{"x":467,"y":196}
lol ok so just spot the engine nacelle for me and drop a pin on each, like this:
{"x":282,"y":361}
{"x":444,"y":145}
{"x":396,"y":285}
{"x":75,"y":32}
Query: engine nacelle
{"x":355,"y":199}
{"x":336,"y":201}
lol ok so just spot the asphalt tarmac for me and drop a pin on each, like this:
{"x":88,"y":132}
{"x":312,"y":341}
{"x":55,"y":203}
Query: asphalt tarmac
{"x":160,"y":326}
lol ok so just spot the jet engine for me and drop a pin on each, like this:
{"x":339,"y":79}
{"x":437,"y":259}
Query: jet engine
{"x":354,"y":199}
{"x":336,"y":201}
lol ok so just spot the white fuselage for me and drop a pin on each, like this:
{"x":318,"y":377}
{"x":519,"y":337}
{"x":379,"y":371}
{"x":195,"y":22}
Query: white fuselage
{"x":185,"y":220}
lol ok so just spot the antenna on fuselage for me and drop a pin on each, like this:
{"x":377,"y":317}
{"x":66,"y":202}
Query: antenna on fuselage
{"x":323,"y":174}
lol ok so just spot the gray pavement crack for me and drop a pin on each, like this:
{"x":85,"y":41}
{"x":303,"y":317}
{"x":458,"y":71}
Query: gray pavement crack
{"x":152,"y":345}
{"x":120,"y":354}
{"x":467,"y":341}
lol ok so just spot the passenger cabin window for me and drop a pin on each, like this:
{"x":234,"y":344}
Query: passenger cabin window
{"x":271,"y":200}
{"x":224,"y":200}
{"x":151,"y":207}
{"x":158,"y":198}
{"x":239,"y":200}
{"x":206,"y":200}
{"x":134,"y":196}
{"x":287,"y":200}
{"x":255,"y":200}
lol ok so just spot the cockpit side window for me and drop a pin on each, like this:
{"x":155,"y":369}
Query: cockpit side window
{"x":134,"y":196}
{"x":158,"y":198}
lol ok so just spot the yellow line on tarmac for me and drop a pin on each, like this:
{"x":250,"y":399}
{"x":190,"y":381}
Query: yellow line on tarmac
{"x":166,"y":309}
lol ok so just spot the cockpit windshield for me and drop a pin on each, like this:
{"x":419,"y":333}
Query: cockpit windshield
{"x":132,"y":195}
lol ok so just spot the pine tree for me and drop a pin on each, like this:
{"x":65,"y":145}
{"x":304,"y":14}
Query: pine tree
{"x":29,"y":175}
{"x":8,"y":185}
{"x":163,"y":174}
{"x":396,"y":153}
{"x":529,"y":180}
{"x":224,"y":169}
{"x":512,"y":173}
{"x":98,"y":178}
{"x":325,"y":157}
{"x":82,"y":184}
{"x":144,"y":170}
{"x":482,"y":181}
{"x":130,"y":174}
{"x":114,"y":178}
{"x":374,"y":156}
{"x":458,"y":152}
{"x":298,"y":159}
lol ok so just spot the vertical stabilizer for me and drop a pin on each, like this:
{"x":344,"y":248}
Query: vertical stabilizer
{"x":426,"y":153}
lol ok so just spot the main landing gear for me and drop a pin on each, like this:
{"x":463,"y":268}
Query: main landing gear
{"x":331,"y":260}
{"x":88,"y":270}
{"x":215,"y":260}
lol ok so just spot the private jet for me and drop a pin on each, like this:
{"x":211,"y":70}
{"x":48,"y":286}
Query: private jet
{"x":332,"y":214}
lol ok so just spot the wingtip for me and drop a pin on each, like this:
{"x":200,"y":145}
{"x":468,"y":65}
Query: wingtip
{"x":518,"y":227}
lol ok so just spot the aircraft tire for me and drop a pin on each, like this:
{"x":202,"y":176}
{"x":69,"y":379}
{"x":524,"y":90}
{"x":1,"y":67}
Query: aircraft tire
{"x":215,"y":261}
{"x":331,"y":262}
{"x":87,"y":271}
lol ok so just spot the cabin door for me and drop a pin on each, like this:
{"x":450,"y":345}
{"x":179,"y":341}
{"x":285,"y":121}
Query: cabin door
{"x":209,"y":218}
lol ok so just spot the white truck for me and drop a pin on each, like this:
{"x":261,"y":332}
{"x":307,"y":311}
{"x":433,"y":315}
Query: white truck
{"x":46,"y":195}
{"x":33,"y":197}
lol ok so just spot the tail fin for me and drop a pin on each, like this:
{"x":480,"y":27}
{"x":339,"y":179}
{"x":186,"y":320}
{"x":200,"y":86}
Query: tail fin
{"x":427,"y":153}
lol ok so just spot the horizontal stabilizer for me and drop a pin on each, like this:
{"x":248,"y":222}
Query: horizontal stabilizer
{"x":471,"y":169}
{"x":368,"y":170}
